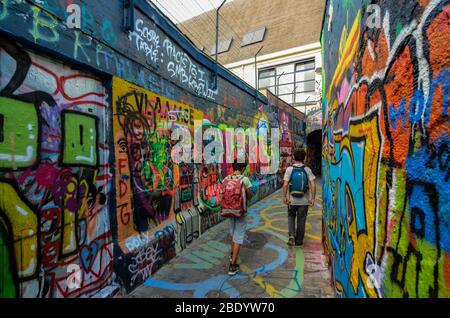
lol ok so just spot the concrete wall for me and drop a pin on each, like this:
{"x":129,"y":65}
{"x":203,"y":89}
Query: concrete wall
{"x":89,"y":199}
{"x":386,"y":147}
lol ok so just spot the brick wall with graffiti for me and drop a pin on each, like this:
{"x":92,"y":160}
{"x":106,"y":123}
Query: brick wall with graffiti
{"x":90,"y":200}
{"x":386,"y":147}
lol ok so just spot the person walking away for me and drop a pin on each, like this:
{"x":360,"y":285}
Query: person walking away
{"x":236,"y":194}
{"x":299,"y":190}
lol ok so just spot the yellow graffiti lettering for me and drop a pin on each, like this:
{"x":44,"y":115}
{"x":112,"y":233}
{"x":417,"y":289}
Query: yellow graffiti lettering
{"x":24,"y":225}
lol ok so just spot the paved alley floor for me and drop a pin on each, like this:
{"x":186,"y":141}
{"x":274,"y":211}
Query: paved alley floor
{"x":269,"y":267}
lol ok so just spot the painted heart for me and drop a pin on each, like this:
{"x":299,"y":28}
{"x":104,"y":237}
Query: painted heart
{"x":88,"y":255}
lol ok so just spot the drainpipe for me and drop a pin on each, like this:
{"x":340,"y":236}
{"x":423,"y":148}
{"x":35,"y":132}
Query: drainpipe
{"x":256,"y":77}
{"x":128,"y":19}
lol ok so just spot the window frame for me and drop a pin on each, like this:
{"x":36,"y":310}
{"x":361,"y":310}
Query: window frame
{"x":276,"y":86}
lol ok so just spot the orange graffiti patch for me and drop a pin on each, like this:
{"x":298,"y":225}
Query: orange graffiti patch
{"x":375,"y":55}
{"x":399,"y":89}
{"x":357,"y":101}
{"x":375,"y":99}
{"x":424,"y":3}
{"x":438,"y":35}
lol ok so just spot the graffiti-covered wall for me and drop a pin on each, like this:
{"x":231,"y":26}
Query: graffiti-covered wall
{"x":90,"y":199}
{"x":55,"y":182}
{"x":386,"y":147}
{"x":291,"y":123}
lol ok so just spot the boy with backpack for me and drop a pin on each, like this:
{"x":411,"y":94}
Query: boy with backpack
{"x":298,"y":179}
{"x":235,"y":195}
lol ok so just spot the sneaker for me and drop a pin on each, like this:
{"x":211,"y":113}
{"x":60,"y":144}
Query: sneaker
{"x":234,"y":269}
{"x":291,"y":241}
{"x":299,"y":244}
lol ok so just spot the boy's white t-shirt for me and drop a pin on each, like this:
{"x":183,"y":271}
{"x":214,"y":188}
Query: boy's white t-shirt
{"x":287,"y":177}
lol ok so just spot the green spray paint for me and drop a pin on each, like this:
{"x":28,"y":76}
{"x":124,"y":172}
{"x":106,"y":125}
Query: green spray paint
{"x":79,"y":46}
{"x":18,"y":134}
{"x":44,"y":26}
{"x":7,"y":286}
{"x":3,"y":9}
{"x":80,"y":139}
{"x":295,"y":285}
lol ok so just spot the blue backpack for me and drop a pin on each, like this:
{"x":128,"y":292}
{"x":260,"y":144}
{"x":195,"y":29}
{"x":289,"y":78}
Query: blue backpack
{"x":299,"y":182}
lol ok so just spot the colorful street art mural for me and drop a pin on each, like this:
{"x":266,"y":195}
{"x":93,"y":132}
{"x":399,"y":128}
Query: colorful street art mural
{"x":55,"y":179}
{"x":156,"y":198}
{"x":291,"y":123}
{"x":162,"y":207}
{"x":90,"y":200}
{"x":386,"y":147}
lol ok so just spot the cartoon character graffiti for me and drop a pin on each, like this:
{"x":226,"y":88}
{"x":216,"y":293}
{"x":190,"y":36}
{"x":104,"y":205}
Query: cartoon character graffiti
{"x":54,"y":177}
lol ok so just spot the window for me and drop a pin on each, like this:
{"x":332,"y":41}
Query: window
{"x":267,"y":80}
{"x":294,"y":83}
{"x":253,"y":37}
{"x":224,"y":46}
{"x":305,"y":75}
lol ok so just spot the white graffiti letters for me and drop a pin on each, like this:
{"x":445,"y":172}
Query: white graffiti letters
{"x":146,"y":40}
{"x":142,"y":264}
{"x":180,"y":66}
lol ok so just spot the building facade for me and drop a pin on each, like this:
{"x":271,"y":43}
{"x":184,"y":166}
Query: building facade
{"x":288,"y":34}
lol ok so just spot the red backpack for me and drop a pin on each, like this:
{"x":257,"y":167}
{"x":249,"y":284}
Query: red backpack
{"x":233,"y":201}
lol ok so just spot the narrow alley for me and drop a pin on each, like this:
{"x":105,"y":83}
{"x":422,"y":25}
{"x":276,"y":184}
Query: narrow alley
{"x":269,"y":267}
{"x":128,"y":127}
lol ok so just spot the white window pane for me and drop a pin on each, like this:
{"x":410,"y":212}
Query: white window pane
{"x":267,"y":73}
{"x":254,"y":36}
{"x":305,"y":66}
{"x":266,"y":82}
{"x":305,"y":87}
{"x":247,"y":39}
{"x":285,"y":68}
{"x":305,"y":76}
{"x":303,"y":97}
{"x":287,"y":98}
{"x":286,"y":89}
{"x":272,"y":90}
{"x":286,"y":79}
{"x":310,"y":86}
{"x":223,"y":46}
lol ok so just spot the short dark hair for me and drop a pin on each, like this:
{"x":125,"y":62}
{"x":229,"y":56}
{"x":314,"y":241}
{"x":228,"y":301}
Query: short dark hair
{"x":239,"y":166}
{"x":300,"y":155}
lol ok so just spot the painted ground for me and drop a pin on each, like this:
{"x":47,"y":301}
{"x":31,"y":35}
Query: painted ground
{"x":269,"y":267}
